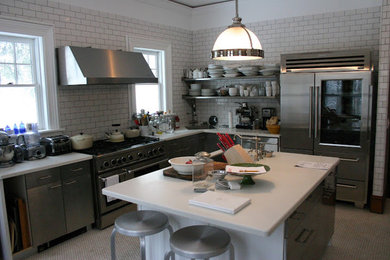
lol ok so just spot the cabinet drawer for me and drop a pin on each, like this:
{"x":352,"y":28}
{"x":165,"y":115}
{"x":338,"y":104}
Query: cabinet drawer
{"x":42,"y":177}
{"x":75,"y":170}
{"x":349,"y":190}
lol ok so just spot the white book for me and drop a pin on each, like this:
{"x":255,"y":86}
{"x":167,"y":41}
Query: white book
{"x":220,"y":201}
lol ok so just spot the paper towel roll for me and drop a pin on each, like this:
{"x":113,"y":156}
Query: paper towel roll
{"x":230,"y":118}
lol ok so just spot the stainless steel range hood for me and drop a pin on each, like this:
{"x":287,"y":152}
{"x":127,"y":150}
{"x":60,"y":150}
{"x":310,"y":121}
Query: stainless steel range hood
{"x":85,"y":66}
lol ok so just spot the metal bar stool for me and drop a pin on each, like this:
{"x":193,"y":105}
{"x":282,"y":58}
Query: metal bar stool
{"x":139,"y":224}
{"x":200,"y":241}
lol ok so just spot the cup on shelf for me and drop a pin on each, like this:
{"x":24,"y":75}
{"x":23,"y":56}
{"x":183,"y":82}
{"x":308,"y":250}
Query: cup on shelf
{"x":275,"y":88}
{"x":233,"y":91}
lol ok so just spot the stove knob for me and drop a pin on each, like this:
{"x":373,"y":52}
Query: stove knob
{"x":155,"y":151}
{"x":140,"y":155}
{"x":106,"y":164}
{"x":113,"y":161}
{"x":118,"y":161}
{"x":123,"y":159}
{"x":150,"y":153}
{"x":130,"y":157}
{"x":161,"y":150}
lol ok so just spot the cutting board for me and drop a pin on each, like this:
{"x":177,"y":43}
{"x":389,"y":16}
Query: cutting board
{"x":174,"y":174}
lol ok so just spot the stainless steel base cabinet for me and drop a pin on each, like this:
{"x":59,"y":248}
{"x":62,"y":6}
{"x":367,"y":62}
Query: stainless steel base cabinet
{"x":45,"y":206}
{"x":59,"y":201}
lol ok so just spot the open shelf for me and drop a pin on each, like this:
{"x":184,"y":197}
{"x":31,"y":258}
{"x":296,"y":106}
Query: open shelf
{"x":272,"y":77}
{"x":227,"y":97}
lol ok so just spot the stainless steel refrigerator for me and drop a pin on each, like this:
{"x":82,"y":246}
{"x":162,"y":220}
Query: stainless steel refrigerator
{"x":327,"y":109}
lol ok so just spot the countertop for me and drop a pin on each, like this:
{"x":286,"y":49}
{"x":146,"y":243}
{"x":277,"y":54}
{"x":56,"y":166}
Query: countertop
{"x":182,"y":132}
{"x":274,"y":196}
{"x":42,"y":164}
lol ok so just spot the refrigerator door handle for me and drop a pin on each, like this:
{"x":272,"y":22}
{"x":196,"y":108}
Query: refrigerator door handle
{"x":350,"y":160}
{"x":311,"y":111}
{"x":369,"y":111}
{"x":316,"y":113}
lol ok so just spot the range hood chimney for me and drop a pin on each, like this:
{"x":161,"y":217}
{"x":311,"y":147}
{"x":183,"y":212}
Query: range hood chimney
{"x":90,"y":66}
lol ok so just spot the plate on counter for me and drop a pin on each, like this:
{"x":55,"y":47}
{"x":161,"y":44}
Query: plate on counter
{"x":247,"y":169}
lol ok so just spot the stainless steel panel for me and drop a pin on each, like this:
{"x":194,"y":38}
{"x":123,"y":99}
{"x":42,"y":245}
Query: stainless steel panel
{"x":350,"y":190}
{"x":75,"y":170}
{"x":81,"y":66}
{"x":42,"y":177}
{"x":295,"y":110}
{"x":78,"y":202}
{"x":353,"y":166}
{"x":46,"y":211}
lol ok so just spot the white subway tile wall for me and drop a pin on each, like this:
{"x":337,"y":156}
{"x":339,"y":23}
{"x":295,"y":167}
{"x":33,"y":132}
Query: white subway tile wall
{"x":92,"y":109}
{"x":383,"y":99}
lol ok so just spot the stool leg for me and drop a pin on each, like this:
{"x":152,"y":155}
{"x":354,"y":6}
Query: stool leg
{"x":231,"y":251}
{"x":113,"y":244}
{"x":142,"y":243}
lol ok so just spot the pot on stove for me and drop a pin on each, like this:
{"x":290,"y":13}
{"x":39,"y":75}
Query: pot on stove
{"x":81,"y":141}
{"x":130,"y":133}
{"x":115,"y":136}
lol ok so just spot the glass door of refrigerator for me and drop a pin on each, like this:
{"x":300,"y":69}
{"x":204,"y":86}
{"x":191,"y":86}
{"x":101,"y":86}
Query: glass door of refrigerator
{"x":342,"y":109}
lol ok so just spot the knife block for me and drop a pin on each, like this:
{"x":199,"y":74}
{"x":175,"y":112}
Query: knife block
{"x":236,"y":154}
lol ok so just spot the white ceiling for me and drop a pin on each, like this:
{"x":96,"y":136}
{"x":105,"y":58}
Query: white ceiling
{"x":198,"y":3}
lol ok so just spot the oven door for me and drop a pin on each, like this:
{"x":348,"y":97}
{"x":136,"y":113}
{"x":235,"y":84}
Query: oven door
{"x":105,"y":203}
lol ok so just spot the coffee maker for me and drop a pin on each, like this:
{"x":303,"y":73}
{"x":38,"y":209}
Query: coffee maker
{"x":246,"y":116}
{"x":267,"y":113}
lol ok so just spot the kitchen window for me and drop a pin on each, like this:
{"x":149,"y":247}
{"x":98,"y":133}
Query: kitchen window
{"x":27,"y":79}
{"x":156,"y":96}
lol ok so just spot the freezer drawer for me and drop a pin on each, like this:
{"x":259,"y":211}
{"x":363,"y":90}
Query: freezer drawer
{"x":351,"y":167}
{"x":349,"y":190}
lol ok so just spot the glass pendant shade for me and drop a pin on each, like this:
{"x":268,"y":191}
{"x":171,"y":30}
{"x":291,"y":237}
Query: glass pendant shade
{"x":237,"y":43}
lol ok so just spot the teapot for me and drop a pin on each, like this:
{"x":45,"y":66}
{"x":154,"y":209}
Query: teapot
{"x":115,"y":136}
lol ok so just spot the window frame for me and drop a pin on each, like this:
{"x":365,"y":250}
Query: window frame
{"x":46,"y":77}
{"x":135,"y":42}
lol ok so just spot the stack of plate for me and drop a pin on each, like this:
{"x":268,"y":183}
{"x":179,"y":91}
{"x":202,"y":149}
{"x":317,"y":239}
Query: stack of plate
{"x":193,"y":92}
{"x":270,"y":69}
{"x":249,"y":70}
{"x":207,"y":92}
{"x":215,"y":71}
{"x":230,"y":71}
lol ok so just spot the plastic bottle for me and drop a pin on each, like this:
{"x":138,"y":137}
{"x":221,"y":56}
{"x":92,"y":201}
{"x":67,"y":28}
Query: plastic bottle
{"x":16,"y":129}
{"x":22,"y":128}
{"x":8,"y":129}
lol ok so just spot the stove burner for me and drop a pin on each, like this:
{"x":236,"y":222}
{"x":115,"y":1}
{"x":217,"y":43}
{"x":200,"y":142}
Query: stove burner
{"x":101,"y":147}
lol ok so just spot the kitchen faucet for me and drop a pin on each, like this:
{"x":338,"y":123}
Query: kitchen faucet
{"x":259,"y":147}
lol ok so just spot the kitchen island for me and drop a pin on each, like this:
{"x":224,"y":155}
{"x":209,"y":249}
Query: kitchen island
{"x":283,"y":208}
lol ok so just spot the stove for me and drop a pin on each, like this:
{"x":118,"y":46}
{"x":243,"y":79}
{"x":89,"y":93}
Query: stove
{"x":118,"y":162}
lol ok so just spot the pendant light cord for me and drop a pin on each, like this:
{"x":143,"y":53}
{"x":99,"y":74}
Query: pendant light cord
{"x":243,"y":26}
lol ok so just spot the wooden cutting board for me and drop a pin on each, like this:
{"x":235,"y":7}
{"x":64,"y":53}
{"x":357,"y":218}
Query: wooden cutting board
{"x":174,"y":174}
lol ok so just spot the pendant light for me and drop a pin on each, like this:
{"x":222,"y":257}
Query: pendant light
{"x":237,"y":43}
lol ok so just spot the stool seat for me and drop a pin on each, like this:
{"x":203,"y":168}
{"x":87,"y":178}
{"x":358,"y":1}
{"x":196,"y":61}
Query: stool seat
{"x":200,"y":241}
{"x":141,"y":223}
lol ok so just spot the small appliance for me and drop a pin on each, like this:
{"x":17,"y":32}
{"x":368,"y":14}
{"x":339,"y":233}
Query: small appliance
{"x":266,"y":114}
{"x":56,"y":145}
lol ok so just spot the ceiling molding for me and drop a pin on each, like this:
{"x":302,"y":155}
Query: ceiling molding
{"x":206,"y":3}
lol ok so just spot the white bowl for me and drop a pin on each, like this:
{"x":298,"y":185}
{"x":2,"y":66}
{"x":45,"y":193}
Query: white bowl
{"x":195,"y":86}
{"x":179,"y":164}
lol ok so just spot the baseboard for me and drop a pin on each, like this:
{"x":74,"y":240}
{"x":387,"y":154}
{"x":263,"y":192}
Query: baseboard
{"x":377,"y":204}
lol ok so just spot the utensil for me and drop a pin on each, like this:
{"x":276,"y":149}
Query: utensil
{"x":81,"y":141}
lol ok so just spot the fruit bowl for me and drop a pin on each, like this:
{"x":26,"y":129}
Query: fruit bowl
{"x":273,"y":129}
{"x":183,"y":166}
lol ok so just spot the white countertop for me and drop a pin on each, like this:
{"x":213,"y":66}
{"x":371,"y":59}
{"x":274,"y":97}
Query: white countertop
{"x":182,"y":132}
{"x":274,"y":196}
{"x":42,"y":164}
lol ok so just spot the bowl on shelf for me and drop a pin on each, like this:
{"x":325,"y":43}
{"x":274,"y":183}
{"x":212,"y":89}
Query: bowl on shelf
{"x":273,"y":129}
{"x":185,"y":165}
{"x":196,"y":86}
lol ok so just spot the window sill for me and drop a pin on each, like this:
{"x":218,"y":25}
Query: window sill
{"x":50,"y":131}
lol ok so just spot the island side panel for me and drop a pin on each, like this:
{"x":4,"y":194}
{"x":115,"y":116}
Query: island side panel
{"x":246,"y":246}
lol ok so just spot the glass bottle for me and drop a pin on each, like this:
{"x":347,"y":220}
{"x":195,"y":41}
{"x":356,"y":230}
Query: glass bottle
{"x":202,"y":170}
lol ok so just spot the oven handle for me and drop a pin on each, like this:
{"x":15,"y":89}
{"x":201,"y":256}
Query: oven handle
{"x":147,"y":166}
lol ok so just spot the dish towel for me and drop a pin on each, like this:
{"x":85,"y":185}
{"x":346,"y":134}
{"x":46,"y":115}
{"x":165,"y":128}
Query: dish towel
{"x":313,"y":165}
{"x":109,"y":181}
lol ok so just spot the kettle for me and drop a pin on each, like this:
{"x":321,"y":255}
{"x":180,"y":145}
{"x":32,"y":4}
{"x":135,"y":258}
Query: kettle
{"x":115,"y":136}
